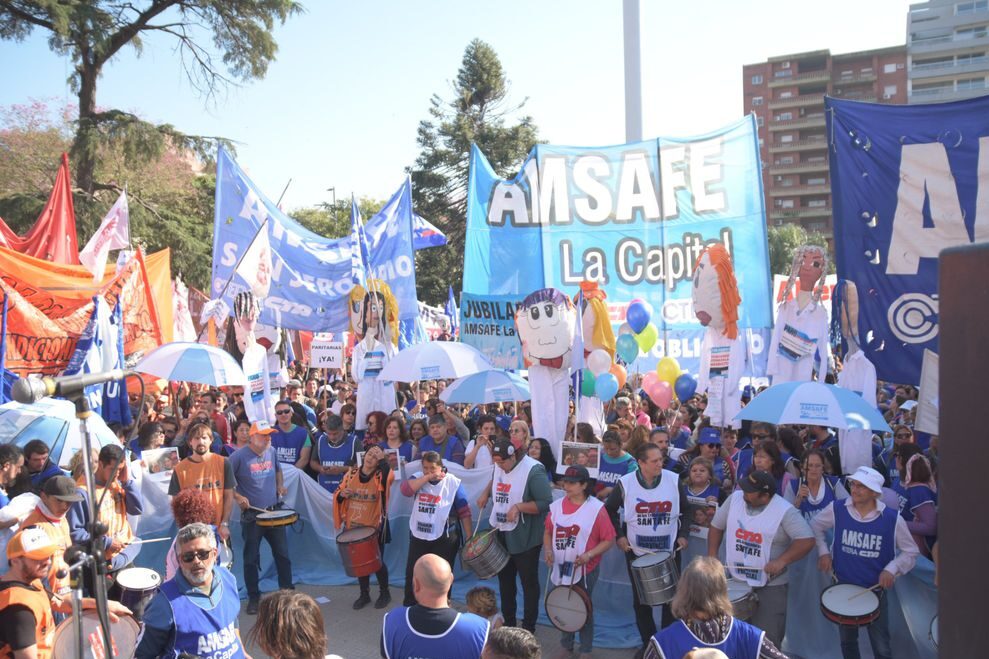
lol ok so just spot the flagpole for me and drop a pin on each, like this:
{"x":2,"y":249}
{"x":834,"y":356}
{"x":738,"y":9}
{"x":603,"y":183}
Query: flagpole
{"x":282,"y":195}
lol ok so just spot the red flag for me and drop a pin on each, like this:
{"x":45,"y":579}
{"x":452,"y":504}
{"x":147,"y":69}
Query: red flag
{"x":53,"y":236}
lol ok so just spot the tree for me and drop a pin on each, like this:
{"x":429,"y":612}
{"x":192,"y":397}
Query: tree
{"x":787,"y":238}
{"x":333,"y":220}
{"x":92,"y":32}
{"x":476,"y":114}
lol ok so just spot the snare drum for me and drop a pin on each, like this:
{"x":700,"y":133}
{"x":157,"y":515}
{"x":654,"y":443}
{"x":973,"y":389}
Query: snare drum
{"x":282,"y":517}
{"x":137,"y":586}
{"x":848,"y":604}
{"x":123,"y":635}
{"x":655,"y":577}
{"x":744,"y":601}
{"x":359,"y":551}
{"x":484,"y":555}
{"x":568,"y":607}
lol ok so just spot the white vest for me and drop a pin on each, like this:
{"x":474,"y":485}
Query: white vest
{"x":749,"y":538}
{"x":431,"y":507}
{"x":570,"y":535}
{"x":651,"y":516}
{"x":506,"y":491}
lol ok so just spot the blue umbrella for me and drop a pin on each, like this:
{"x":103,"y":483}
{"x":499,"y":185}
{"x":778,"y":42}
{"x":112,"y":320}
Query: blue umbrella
{"x":814,"y":403}
{"x":54,"y":421}
{"x":184,"y":361}
{"x":493,"y":386}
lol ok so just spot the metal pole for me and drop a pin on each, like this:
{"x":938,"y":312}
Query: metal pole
{"x":633,"y":71}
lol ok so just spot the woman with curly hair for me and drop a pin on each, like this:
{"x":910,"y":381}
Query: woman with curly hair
{"x":375,"y":431}
{"x":188,"y":507}
{"x":290,"y":626}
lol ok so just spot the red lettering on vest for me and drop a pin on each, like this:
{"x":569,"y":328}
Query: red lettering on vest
{"x":653,"y":507}
{"x":748,"y":536}
{"x":564,"y":532}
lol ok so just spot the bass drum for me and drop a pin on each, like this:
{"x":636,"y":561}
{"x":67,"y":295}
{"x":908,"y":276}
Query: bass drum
{"x":123,"y":635}
{"x":568,"y":608}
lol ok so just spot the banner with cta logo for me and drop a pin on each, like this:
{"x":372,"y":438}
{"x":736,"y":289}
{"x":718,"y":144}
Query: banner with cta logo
{"x":907,"y":182}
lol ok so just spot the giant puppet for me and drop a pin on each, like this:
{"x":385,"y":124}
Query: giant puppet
{"x":715,"y":301}
{"x":598,"y":335}
{"x":801,"y":334}
{"x":546,"y":322}
{"x":374,"y":321}
{"x":242,"y":342}
{"x":857,"y":373}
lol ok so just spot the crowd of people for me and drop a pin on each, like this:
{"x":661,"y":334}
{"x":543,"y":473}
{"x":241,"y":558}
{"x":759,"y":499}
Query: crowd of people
{"x":752,"y":501}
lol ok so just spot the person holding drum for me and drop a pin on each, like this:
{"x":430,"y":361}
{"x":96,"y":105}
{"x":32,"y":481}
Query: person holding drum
{"x":439,"y":511}
{"x":765,"y":534}
{"x":522,"y":496}
{"x":196,"y":611}
{"x":336,"y":453}
{"x":652,"y":503}
{"x":259,"y":487}
{"x":362,"y":500}
{"x":578,"y":532}
{"x":208,"y":472}
{"x":872,"y":547}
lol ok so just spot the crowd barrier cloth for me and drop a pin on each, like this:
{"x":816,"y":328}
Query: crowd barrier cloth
{"x":315,"y":560}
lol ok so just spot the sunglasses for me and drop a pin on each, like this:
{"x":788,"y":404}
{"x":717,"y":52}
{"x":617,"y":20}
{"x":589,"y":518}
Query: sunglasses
{"x":900,"y":435}
{"x":283,"y":412}
{"x":201,"y":555}
{"x":758,"y":436}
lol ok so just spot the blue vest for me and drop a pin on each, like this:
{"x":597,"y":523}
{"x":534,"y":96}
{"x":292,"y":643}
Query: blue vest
{"x":808,"y":509}
{"x":465,"y":638}
{"x":743,"y":641}
{"x":861,"y":550}
{"x":427,"y":444}
{"x":334,"y":456}
{"x":743,"y":464}
{"x":288,"y":445}
{"x":207,"y":634}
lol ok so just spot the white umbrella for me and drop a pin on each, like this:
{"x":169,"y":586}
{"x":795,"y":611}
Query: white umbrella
{"x":54,"y":421}
{"x":435,"y":360}
{"x":816,"y":404}
{"x":183,"y":361}
{"x":494,"y":386}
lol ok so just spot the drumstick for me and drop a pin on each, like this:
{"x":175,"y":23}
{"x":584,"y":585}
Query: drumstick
{"x":260,"y":510}
{"x":867,"y":590}
{"x":144,"y":542}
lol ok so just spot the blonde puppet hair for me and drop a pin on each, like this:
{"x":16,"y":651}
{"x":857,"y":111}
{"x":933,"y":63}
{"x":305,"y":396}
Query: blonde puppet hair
{"x":727,"y":285}
{"x":603,"y":335}
{"x":357,"y":295}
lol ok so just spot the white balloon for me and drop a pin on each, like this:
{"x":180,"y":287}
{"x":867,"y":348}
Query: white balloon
{"x":599,"y":362}
{"x":625,"y":329}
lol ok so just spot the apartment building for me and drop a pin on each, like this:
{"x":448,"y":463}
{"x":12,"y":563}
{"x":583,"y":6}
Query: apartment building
{"x":947,"y":46}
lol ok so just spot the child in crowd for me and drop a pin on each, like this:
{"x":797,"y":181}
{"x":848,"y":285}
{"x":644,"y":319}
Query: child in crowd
{"x":481,"y":601}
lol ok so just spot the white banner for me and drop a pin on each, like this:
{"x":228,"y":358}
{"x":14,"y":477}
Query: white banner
{"x":326,"y":354}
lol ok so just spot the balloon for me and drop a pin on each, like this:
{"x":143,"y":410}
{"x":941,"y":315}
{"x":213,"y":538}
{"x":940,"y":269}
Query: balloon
{"x":599,"y":361}
{"x":668,"y":370}
{"x":685,"y":387}
{"x":648,"y":380}
{"x":619,"y":372}
{"x":661,"y":394}
{"x":606,"y":386}
{"x":638,"y":315}
{"x":587,"y":383}
{"x":647,"y":337}
{"x":627,"y":348}
{"x":625,"y":329}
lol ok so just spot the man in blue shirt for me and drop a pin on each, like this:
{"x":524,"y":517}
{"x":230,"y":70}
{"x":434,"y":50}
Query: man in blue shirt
{"x":196,"y":611}
{"x":39,"y":467}
{"x":259,"y":487}
{"x":295,"y":394}
{"x":292,"y":443}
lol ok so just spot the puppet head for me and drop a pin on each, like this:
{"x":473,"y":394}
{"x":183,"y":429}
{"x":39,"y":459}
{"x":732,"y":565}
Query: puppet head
{"x":810,"y":266}
{"x":546,"y":322}
{"x":241,"y":327}
{"x":377,"y":310}
{"x":845,"y":316}
{"x":715,"y":293}
{"x":595,"y":322}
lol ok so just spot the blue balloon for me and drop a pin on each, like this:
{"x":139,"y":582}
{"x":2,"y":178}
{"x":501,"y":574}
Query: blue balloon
{"x":685,"y":386}
{"x":606,"y":386}
{"x":627,"y":348}
{"x":638,"y":315}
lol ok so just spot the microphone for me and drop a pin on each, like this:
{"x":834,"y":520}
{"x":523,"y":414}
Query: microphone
{"x":32,"y":389}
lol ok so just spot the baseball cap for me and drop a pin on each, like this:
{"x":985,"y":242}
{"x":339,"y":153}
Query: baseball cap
{"x":504,"y":421}
{"x":261,"y":428}
{"x":32,"y":542}
{"x":868,"y":477}
{"x":502,"y":448}
{"x":576,"y":474}
{"x":759,"y":481}
{"x":709,"y":435}
{"x":62,"y":488}
{"x":294,"y":382}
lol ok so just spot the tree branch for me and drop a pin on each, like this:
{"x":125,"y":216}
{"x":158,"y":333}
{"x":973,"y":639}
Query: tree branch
{"x":113,"y":187}
{"x":25,"y":16}
{"x":124,"y":35}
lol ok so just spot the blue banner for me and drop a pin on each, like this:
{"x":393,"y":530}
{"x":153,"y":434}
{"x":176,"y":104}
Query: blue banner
{"x":487,"y":322}
{"x":311,"y":274}
{"x":95,"y":352}
{"x":905,"y":184}
{"x":631,"y":217}
{"x":116,"y":407}
{"x":425,"y":234}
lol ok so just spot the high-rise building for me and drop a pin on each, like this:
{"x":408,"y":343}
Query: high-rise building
{"x":947,"y":45}
{"x":787,"y":95}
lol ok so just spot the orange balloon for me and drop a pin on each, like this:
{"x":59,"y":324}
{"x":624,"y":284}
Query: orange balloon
{"x":619,"y":372}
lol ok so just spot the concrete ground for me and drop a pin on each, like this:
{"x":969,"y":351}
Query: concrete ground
{"x":356,"y":634}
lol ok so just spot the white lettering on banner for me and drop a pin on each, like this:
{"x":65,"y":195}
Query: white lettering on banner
{"x":925,"y":175}
{"x":545,"y":192}
{"x":390,"y":270}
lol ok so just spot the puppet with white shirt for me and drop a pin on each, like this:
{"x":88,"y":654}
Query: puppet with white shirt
{"x":801,"y":334}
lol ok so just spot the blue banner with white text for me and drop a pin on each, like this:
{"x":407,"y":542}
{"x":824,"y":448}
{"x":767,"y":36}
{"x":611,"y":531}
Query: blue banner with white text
{"x":487,"y":322}
{"x":905,"y":180}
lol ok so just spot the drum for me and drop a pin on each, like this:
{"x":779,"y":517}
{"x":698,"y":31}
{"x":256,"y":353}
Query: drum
{"x":123,"y":635}
{"x":655,"y":577}
{"x":848,"y":604}
{"x":283,"y":517}
{"x":359,"y":551}
{"x":484,"y":555}
{"x":568,"y":607}
{"x":137,"y":586}
{"x":744,"y":601}
{"x":225,"y":556}
{"x":934,"y":632}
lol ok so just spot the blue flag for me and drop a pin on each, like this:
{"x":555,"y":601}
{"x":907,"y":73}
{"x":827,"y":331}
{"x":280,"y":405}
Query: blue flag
{"x":116,"y":408}
{"x":358,"y":247}
{"x":94,"y":352}
{"x":452,"y":311}
{"x":4,"y":387}
{"x":425,"y":234}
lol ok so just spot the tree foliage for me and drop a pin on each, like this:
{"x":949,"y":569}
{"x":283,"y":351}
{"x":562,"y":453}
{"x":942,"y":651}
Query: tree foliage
{"x":333,"y":220}
{"x":787,"y":238}
{"x":478,"y":112}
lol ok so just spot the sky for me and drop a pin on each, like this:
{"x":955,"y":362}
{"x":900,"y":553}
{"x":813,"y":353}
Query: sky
{"x":340,"y":105}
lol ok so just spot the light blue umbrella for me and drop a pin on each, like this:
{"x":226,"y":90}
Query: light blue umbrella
{"x":435,"y":360}
{"x":493,"y":386}
{"x":184,"y":361}
{"x":54,"y":421}
{"x":813,"y":403}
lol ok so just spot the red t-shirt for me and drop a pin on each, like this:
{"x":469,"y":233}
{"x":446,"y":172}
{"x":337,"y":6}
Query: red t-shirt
{"x":602,"y":531}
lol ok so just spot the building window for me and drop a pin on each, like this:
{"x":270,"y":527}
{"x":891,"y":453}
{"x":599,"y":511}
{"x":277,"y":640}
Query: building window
{"x":816,"y":181}
{"x":972,"y":83}
{"x":787,"y":160}
{"x":847,"y":74}
{"x":786,"y":73}
{"x":786,"y":139}
{"x":784,"y":116}
{"x":889,"y":68}
{"x":817,"y":203}
{"x":971,"y":7}
{"x":971,"y":33}
{"x":760,"y":121}
{"x":866,"y":71}
{"x":786,"y":203}
{"x":757,"y":100}
{"x":784,"y":95}
{"x":785,"y":65}
{"x":889,"y":90}
{"x":757,"y":80}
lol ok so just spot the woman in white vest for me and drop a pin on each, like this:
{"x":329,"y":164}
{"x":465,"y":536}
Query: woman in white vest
{"x":577,"y":534}
{"x":440,"y":512}
{"x":765,"y":533}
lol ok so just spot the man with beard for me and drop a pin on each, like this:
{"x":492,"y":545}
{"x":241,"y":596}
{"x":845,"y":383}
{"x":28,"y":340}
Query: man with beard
{"x":209,"y":472}
{"x":195,"y":612}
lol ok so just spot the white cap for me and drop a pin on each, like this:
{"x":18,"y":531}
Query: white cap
{"x":870,"y":478}
{"x":908,"y":405}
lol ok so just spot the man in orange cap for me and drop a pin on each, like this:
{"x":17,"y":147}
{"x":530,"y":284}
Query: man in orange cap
{"x":27,"y":626}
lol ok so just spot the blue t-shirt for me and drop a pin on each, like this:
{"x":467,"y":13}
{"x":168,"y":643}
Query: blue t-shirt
{"x":255,"y":475}
{"x":611,"y":469}
{"x":288,"y":445}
